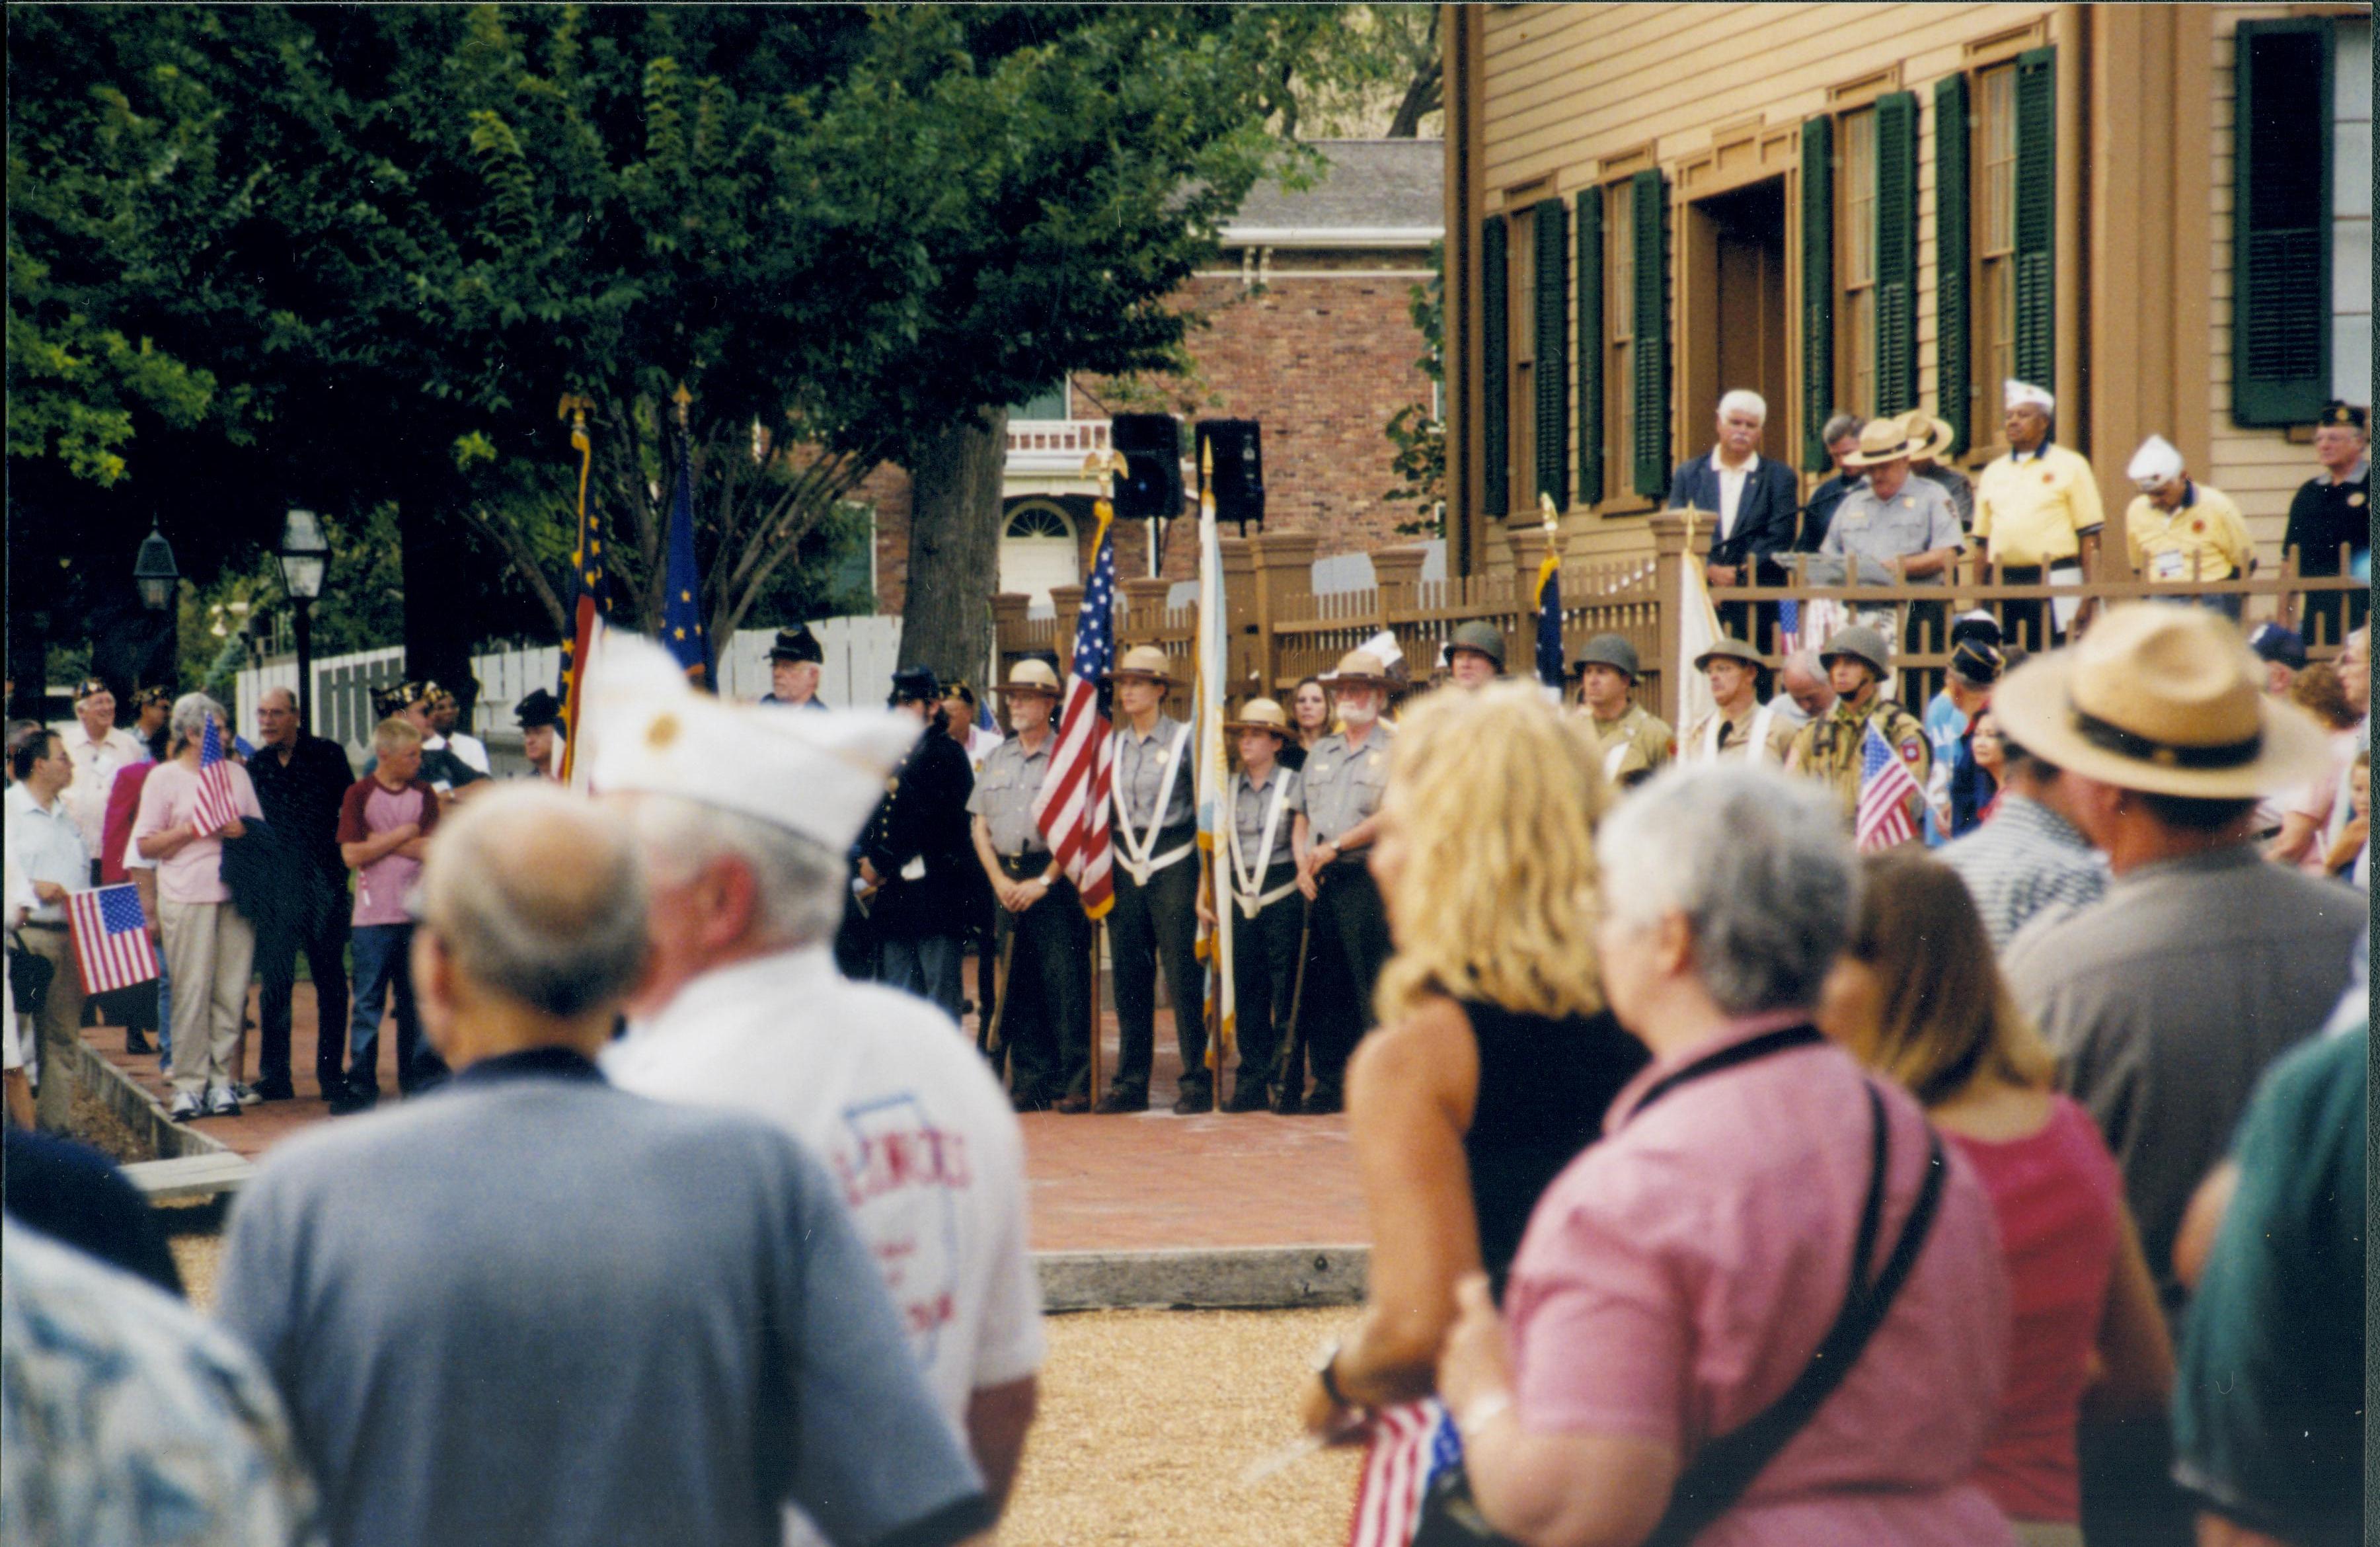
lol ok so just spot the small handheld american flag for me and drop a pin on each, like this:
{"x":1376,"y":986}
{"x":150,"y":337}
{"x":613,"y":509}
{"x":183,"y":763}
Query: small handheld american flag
{"x":1886,"y":788}
{"x":216,"y":808}
{"x":111,"y":938}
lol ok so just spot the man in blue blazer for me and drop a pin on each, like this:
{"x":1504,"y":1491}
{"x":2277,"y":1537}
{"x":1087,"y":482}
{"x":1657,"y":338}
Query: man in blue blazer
{"x":1757,"y":501}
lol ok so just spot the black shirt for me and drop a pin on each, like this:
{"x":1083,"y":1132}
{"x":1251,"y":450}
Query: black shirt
{"x":2325,"y":516}
{"x":924,"y":817}
{"x":302,"y":801}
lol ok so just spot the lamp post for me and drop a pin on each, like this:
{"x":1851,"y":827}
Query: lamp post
{"x":305,"y":555}
{"x":154,"y":571}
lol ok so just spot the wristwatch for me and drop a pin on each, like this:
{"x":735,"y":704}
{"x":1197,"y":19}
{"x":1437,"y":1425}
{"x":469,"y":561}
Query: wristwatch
{"x":1323,"y":1367}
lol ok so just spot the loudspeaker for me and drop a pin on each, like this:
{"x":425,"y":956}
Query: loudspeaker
{"x":1238,"y":479}
{"x":1151,"y":446}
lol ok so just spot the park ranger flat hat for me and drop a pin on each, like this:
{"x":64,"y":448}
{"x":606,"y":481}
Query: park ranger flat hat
{"x":1031,"y":676}
{"x":1483,"y":637}
{"x":2162,"y":700}
{"x":1147,"y":663}
{"x":1261,"y":715}
{"x":1610,"y":650}
{"x":1860,"y":644}
{"x":1888,"y":440}
{"x":1729,"y":648}
{"x":1358,"y":667}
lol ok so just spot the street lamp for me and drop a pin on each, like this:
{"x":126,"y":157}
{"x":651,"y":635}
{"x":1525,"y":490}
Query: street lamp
{"x":305,"y":554}
{"x":154,"y":572}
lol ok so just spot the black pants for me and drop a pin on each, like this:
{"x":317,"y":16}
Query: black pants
{"x":2030,"y":623}
{"x":1046,"y":1027}
{"x":1350,"y":944}
{"x":2329,"y":616}
{"x":1152,"y":927}
{"x":1264,"y":979}
{"x":316,"y":924}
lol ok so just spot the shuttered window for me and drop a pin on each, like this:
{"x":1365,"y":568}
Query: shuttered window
{"x":1551,"y":232}
{"x":1495,"y":396}
{"x":1590,"y":346}
{"x":1896,"y":253}
{"x":1994,"y":229}
{"x":2281,"y":223}
{"x":1621,"y":305}
{"x":1952,"y":297}
{"x":1818,"y":289}
{"x":1649,"y":193}
{"x":2036,"y":217}
{"x":1855,"y":255}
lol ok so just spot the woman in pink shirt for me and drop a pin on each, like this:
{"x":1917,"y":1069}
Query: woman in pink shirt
{"x":1918,"y":996}
{"x":1678,"y":1279}
{"x":209,"y":946}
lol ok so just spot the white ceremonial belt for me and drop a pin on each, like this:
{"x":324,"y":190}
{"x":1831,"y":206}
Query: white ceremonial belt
{"x":1141,"y":869}
{"x":1250,"y":906}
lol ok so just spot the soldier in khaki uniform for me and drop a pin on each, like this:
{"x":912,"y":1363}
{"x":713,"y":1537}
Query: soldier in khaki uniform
{"x":1636,"y":744}
{"x":1741,"y":721}
{"x":1829,"y":749}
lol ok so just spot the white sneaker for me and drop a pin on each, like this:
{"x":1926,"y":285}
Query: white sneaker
{"x":222,"y":1102}
{"x":185,"y":1107}
{"x":245,"y":1093}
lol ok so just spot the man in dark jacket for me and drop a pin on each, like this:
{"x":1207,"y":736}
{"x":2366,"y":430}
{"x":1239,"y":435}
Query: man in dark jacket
{"x":1753,"y":498}
{"x":301,"y":779}
{"x":917,"y":852}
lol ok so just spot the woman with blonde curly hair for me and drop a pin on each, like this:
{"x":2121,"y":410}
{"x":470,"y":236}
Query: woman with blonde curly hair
{"x":1494,"y":1057}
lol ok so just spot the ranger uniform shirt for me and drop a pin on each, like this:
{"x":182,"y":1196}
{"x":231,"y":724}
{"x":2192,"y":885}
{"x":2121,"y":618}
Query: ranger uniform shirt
{"x":1829,"y":749}
{"x":1635,"y":747}
{"x":1342,"y":784}
{"x":2201,"y":539}
{"x":1735,"y":735}
{"x":2035,"y":507}
{"x":1003,"y":796}
{"x":1252,"y":803}
{"x":1140,"y":764}
{"x":1919,"y":518}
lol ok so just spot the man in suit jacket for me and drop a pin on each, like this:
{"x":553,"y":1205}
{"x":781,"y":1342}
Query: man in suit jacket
{"x":1755,"y":499}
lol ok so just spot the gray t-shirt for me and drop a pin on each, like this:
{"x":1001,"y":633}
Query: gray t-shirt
{"x":532,"y":1308}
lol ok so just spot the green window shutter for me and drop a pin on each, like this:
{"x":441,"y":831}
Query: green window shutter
{"x":1896,"y":252}
{"x":1651,"y":452}
{"x":1590,"y":345}
{"x":1496,"y":367}
{"x":1552,"y":311}
{"x":2036,"y":217}
{"x":2280,"y":224}
{"x":1818,"y":289}
{"x":1953,"y":303}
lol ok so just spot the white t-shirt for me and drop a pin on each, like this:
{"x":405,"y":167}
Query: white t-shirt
{"x":471,"y":749}
{"x":883,"y":1088}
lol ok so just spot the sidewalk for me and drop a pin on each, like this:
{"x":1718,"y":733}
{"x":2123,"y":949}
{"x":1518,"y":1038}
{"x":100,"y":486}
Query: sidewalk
{"x":1142,"y":1183}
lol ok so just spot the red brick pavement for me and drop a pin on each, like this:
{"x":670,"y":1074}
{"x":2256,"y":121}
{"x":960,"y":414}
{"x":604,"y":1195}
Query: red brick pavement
{"x":1099,"y":1184}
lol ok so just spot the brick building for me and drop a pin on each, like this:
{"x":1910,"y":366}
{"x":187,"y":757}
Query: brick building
{"x":1305,"y":325}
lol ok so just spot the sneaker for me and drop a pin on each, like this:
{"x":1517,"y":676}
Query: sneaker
{"x":222,"y":1102}
{"x":247,"y":1095}
{"x":185,"y":1107}
{"x":1116,"y":1101}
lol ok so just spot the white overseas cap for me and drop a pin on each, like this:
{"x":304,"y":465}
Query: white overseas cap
{"x":2015,"y":394}
{"x":2156,"y":463}
{"x":818,"y":773}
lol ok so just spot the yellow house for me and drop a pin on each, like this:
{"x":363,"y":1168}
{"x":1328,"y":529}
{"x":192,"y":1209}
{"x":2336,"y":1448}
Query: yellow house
{"x":2160,"y":211}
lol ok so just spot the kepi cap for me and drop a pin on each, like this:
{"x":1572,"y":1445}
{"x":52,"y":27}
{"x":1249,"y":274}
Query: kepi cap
{"x":915,"y":685}
{"x":539,"y":708}
{"x":796,"y":644}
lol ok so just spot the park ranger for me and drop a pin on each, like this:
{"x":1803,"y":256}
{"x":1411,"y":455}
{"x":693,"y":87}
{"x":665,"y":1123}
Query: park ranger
{"x":1345,"y":775}
{"x":1856,"y":661}
{"x":1264,"y":837}
{"x":1042,"y":937}
{"x":1636,"y":744}
{"x":1475,"y":657}
{"x":1154,"y":925}
{"x":1741,"y":721}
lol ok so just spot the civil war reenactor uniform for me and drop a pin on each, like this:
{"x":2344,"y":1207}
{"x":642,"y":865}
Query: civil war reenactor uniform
{"x":1042,"y":1025}
{"x":1345,"y":775}
{"x":2331,"y":510}
{"x":1636,"y":744}
{"x":913,"y":856}
{"x":540,"y":717}
{"x":1829,"y":749}
{"x":1268,"y":917}
{"x":1721,"y":734}
{"x":1154,"y":923}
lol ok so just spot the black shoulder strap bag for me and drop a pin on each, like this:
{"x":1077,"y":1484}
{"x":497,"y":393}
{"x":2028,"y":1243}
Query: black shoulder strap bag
{"x":1726,"y":1465}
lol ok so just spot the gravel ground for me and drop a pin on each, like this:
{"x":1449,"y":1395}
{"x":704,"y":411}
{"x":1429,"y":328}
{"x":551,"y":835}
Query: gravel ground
{"x":96,"y":1124}
{"x":1148,"y":1420}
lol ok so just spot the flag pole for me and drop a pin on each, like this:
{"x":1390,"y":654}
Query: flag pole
{"x":575,"y":645}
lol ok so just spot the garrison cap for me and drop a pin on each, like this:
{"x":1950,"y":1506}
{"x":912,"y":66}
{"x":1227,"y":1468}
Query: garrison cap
{"x":2347,"y":414}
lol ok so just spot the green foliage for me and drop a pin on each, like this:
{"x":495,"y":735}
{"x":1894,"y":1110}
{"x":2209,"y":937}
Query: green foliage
{"x":1419,"y":435}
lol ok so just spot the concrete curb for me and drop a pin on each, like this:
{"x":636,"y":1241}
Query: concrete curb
{"x":1203,"y":1278}
{"x":137,"y":1109}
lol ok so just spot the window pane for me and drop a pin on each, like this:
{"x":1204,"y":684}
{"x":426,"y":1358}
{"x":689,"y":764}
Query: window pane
{"x":1995,"y":162}
{"x":1048,"y":404}
{"x":1858,"y":199}
{"x":1620,"y":264}
{"x":1859,"y":342}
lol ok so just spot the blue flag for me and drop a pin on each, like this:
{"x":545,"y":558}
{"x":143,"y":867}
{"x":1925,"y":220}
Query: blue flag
{"x":682,"y":610}
{"x":1549,"y":622}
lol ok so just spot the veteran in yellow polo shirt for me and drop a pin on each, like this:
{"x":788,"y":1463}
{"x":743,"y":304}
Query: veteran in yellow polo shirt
{"x":2180,"y":533}
{"x":2038,"y":513}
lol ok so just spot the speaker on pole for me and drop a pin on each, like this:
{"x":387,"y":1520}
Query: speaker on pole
{"x":1238,"y":485}
{"x":1151,"y":446}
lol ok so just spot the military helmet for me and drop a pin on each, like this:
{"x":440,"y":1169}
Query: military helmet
{"x":1861,"y":644}
{"x":1610,"y":650}
{"x":1481,"y":636}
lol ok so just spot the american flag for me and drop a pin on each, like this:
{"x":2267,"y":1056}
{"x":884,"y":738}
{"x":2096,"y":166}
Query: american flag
{"x":1072,"y":808}
{"x":217,"y":807}
{"x":111,"y":938}
{"x":589,"y":606}
{"x":1412,"y":1443}
{"x":1886,"y":785}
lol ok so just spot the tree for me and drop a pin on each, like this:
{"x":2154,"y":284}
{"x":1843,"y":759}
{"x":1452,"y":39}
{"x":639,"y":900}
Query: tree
{"x":1417,"y":430}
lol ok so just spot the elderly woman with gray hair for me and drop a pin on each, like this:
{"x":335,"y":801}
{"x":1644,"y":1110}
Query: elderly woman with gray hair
{"x":1768,"y":1307}
{"x":209,"y":946}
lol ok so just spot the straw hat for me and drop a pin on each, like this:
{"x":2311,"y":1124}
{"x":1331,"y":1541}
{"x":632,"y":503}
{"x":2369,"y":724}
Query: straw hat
{"x":1728,"y":650}
{"x":1357,"y":667}
{"x":1261,"y":715}
{"x":1147,"y":663}
{"x":1937,"y":433}
{"x":2163,"y":699}
{"x":1888,"y":440}
{"x":1031,"y":676}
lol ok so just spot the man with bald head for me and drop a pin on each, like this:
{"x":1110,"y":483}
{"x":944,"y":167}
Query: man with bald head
{"x":533,"y":1309}
{"x":300,"y":780}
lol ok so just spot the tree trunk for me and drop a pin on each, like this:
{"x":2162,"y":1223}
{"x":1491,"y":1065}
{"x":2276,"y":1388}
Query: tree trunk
{"x":954,"y":478}
{"x":437,"y":627}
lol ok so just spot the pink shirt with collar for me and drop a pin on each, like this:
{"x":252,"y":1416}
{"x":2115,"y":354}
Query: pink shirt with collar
{"x":192,"y":873}
{"x":1676,"y":1278}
